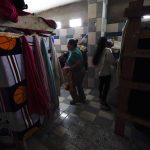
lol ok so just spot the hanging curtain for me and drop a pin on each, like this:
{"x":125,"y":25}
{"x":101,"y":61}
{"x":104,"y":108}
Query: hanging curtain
{"x":50,"y":74}
{"x":37,"y":98}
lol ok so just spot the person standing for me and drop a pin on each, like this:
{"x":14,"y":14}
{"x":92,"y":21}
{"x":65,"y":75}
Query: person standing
{"x":104,"y":59}
{"x":75,"y":66}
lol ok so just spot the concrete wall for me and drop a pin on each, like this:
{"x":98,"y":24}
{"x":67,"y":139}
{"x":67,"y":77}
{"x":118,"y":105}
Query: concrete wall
{"x":65,"y":13}
{"x":115,"y":10}
{"x":80,"y":9}
{"x":90,"y":12}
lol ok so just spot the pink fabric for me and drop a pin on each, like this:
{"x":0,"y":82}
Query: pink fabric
{"x":40,"y":65}
{"x":37,"y":97}
{"x":23,"y":13}
{"x":50,"y":23}
{"x":8,"y":10}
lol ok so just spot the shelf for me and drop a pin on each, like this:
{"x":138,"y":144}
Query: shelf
{"x":134,"y":85}
{"x":134,"y":119}
{"x":145,"y":33}
{"x":30,"y":22}
{"x":135,"y":12}
{"x":142,"y":53}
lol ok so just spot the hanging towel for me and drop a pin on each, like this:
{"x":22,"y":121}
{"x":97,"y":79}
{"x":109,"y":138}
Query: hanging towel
{"x":50,"y":74}
{"x":37,"y":99}
{"x":39,"y":62}
{"x":59,"y":79}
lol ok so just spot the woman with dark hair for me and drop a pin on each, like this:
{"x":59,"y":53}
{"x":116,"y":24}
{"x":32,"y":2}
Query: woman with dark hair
{"x":103,"y":58}
{"x":75,"y":65}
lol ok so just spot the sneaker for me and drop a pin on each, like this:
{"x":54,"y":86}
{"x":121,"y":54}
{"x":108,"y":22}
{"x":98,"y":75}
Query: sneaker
{"x":82,"y":101}
{"x":73,"y":102}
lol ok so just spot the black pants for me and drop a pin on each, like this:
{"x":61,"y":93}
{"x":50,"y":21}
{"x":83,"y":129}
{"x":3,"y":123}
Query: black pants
{"x":77,"y":93}
{"x":104,"y":84}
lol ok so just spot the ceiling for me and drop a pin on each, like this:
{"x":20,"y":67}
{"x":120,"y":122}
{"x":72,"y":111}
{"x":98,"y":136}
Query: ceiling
{"x":41,"y":5}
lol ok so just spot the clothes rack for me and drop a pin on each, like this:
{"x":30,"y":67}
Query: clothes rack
{"x":33,"y":25}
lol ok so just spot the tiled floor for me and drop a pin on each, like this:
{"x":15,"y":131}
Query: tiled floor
{"x":85,"y":127}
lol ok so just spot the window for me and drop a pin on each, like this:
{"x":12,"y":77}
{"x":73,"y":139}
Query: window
{"x":146,"y":17}
{"x":75,"y":22}
{"x":58,"y":25}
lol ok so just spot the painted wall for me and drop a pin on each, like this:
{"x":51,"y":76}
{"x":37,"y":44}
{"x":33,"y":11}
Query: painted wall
{"x":90,"y":12}
{"x":113,"y":30}
{"x":116,"y":10}
{"x":65,"y":13}
{"x":80,"y":9}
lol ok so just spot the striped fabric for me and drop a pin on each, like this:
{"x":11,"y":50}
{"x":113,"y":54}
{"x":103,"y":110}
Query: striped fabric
{"x":50,"y":74}
{"x":37,"y":97}
{"x":39,"y":62}
{"x":11,"y":56}
{"x":13,"y":108}
{"x":14,"y":72}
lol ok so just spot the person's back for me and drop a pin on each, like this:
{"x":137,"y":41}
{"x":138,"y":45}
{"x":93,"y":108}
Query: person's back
{"x":75,"y":55}
{"x":103,"y":58}
{"x":106,"y":62}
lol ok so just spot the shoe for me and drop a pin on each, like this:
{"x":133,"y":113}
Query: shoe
{"x":73,"y":102}
{"x":105,"y":107}
{"x":83,"y":101}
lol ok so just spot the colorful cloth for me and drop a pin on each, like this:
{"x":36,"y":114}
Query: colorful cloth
{"x":50,"y":74}
{"x":37,"y":99}
{"x":39,"y":62}
{"x":14,"y":112}
{"x":8,"y":10}
{"x":50,"y":23}
{"x":12,"y":70}
{"x":59,"y":79}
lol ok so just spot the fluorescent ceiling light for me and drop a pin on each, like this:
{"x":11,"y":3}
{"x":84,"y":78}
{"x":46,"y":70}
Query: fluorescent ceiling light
{"x":75,"y":22}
